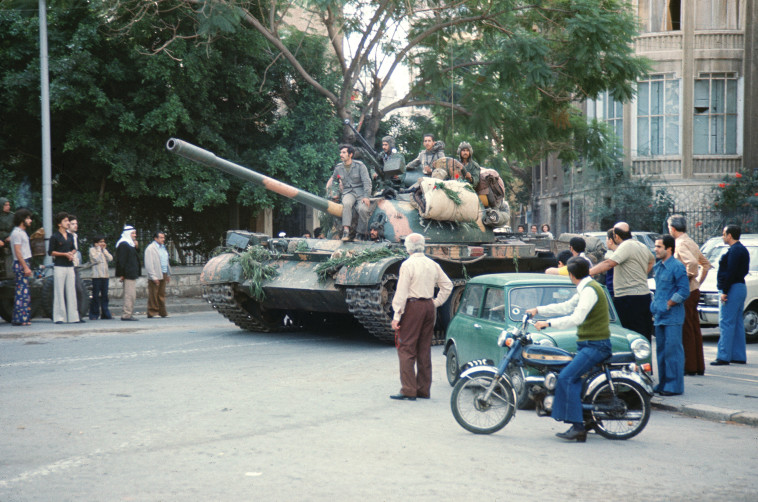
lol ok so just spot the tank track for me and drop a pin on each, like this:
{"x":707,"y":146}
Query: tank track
{"x":372,"y":306}
{"x":221,"y":297}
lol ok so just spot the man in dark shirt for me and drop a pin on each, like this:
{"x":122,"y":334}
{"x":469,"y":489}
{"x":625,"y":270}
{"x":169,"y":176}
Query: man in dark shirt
{"x":733,"y":267}
{"x":63,"y":251}
{"x":128,"y":270}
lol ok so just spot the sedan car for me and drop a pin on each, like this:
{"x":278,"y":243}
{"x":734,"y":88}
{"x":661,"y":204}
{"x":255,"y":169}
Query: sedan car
{"x":708,"y":306}
{"x":494,"y":302}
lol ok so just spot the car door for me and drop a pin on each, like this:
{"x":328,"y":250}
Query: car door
{"x":488,"y":325}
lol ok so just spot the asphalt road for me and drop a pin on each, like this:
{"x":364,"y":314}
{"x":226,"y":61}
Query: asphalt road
{"x":192,"y":408}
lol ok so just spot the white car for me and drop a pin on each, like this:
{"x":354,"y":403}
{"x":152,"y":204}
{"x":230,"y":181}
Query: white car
{"x":708,"y":306}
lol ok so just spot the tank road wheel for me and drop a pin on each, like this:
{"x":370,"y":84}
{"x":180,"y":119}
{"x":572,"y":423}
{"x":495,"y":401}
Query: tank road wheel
{"x":372,"y":306}
{"x":242,"y":310}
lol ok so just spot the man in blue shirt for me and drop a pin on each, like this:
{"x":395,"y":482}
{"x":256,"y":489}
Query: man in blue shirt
{"x":733,"y":267}
{"x":672,"y":287}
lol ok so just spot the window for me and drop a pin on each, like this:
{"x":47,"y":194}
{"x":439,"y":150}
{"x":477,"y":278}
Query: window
{"x":471,"y":300}
{"x":494,"y":305}
{"x":658,"y":116}
{"x":610,"y":111}
{"x":660,"y":15}
{"x":715,"y":125}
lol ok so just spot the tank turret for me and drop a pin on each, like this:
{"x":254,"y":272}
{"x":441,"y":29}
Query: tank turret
{"x":313,"y":281}
{"x":400,"y":216}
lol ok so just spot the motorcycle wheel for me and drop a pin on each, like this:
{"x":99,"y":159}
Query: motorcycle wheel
{"x":476,"y":414}
{"x":517,"y":376}
{"x":625,"y":414}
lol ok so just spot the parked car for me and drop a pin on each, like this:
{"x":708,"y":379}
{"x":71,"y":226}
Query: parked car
{"x":719,"y":241}
{"x":647,"y":238}
{"x":708,"y":306}
{"x":494,"y":302}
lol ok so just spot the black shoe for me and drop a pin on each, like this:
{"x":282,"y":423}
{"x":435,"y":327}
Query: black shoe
{"x":667,"y":393}
{"x":573,"y":435}
{"x":738,"y":362}
{"x":58,"y":322}
{"x":80,"y":321}
{"x":690,"y":373}
{"x":129,"y":319}
{"x":422,"y":397}
{"x":402,"y":397}
{"x":719,"y":362}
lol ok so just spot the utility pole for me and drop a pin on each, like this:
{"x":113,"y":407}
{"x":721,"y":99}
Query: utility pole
{"x":47,"y":187}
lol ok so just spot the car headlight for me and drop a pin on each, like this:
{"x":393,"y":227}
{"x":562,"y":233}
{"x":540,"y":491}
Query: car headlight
{"x":641,"y":348}
{"x":710,"y":299}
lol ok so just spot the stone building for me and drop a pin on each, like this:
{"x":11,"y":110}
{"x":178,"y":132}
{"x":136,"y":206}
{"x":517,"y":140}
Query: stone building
{"x":694,"y":118}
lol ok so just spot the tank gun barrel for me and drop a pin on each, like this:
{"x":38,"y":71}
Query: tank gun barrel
{"x":361,"y":139}
{"x":201,"y":156}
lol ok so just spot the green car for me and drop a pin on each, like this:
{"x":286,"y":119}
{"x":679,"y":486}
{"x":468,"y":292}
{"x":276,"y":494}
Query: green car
{"x":494,"y":302}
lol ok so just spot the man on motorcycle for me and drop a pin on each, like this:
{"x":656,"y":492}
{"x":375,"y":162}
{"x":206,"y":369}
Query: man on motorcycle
{"x":588,"y":310}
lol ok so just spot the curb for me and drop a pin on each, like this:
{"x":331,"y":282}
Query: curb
{"x":708,"y":412}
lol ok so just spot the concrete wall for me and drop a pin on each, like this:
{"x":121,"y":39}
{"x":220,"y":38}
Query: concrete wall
{"x":185,"y":282}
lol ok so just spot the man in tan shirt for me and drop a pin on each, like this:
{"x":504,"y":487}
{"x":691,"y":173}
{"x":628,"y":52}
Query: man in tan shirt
{"x":415,"y":311}
{"x":697,"y":267}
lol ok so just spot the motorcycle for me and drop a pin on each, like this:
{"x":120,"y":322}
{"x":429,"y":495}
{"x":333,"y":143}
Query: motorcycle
{"x":615,"y":397}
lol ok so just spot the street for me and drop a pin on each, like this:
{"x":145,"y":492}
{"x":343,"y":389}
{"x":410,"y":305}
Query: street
{"x":193,"y":408}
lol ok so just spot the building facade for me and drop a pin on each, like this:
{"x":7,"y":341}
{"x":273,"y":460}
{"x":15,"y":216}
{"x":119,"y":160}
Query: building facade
{"x":692,"y":121}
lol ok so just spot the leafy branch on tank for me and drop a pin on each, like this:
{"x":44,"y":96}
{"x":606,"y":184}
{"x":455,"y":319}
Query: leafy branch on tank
{"x":255,"y":269}
{"x":452,"y":194}
{"x":349,"y":259}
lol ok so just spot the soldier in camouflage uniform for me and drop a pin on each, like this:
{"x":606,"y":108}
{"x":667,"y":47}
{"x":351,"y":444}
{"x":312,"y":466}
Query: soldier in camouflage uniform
{"x":432,"y":151}
{"x":355,"y":184}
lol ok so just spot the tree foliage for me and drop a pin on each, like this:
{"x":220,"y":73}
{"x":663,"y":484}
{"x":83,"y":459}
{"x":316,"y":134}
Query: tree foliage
{"x":113,"y":106}
{"x":507,"y":68}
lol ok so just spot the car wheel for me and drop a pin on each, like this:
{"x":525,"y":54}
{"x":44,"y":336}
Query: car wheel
{"x":750,"y":318}
{"x":452,"y":370}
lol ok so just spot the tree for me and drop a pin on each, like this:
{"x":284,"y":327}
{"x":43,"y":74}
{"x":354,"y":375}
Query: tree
{"x":509,"y":70}
{"x":113,"y":107}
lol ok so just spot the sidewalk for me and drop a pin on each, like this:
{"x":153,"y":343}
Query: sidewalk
{"x":723,"y":394}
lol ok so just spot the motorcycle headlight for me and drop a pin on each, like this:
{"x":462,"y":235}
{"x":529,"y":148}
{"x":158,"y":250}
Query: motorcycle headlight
{"x":502,"y":338}
{"x":641,"y":348}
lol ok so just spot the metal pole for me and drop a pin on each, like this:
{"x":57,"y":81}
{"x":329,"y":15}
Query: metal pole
{"x":47,"y":187}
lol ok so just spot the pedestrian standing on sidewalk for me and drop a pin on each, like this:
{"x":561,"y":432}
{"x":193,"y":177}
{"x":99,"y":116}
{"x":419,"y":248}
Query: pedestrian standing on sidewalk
{"x":671,"y":290}
{"x":158,"y":275}
{"x":415,"y":311}
{"x":22,"y":255}
{"x":697,"y":267}
{"x":99,"y":257}
{"x":61,"y":248}
{"x":631,"y":261}
{"x":734,"y":265}
{"x":73,"y":229}
{"x":128,"y":270}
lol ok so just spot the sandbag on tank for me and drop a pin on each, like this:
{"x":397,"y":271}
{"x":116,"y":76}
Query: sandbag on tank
{"x":449,"y":200}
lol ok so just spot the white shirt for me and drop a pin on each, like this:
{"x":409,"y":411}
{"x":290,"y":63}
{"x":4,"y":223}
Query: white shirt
{"x":578,"y":307}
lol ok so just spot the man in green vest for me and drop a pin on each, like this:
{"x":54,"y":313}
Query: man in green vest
{"x":588,"y":310}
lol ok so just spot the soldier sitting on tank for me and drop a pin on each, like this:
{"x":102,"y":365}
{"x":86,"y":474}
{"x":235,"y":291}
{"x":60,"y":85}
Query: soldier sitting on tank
{"x":472,"y":169}
{"x":392,"y":165}
{"x":432,"y":151}
{"x":355,"y":184}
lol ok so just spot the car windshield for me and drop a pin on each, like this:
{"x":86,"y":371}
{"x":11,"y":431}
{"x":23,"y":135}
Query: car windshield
{"x":715,"y":254}
{"x":524,"y":298}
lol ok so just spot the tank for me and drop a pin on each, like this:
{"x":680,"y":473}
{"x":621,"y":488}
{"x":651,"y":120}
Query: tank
{"x":308,"y":288}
